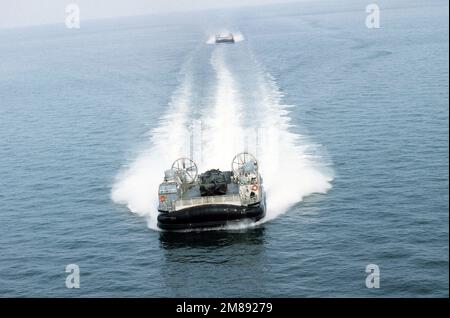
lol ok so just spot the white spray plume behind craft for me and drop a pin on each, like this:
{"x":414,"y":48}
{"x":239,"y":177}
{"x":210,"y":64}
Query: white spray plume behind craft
{"x":289,"y":170}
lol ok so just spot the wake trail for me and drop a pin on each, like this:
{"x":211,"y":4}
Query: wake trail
{"x":223,"y":128}
{"x":289,"y":165}
{"x":137,"y":185}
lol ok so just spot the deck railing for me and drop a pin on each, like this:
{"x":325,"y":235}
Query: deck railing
{"x":233,"y":199}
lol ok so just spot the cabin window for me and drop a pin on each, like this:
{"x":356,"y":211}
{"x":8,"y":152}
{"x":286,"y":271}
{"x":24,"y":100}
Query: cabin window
{"x":167,"y":188}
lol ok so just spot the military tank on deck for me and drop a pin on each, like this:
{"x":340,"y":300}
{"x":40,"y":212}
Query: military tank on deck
{"x":212,"y":199}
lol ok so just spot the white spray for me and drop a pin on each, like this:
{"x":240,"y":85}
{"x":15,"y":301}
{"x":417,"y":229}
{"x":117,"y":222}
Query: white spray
{"x":137,"y":185}
{"x":223,"y":127}
{"x":289,"y":170}
{"x":290,"y":167}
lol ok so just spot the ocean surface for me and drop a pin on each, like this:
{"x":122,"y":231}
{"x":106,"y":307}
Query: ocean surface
{"x":352,"y":127}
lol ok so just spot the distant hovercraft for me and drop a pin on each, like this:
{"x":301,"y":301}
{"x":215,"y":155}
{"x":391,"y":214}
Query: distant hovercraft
{"x":225,"y":38}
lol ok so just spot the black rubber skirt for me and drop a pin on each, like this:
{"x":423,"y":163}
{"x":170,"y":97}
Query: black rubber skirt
{"x":211,"y":215}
